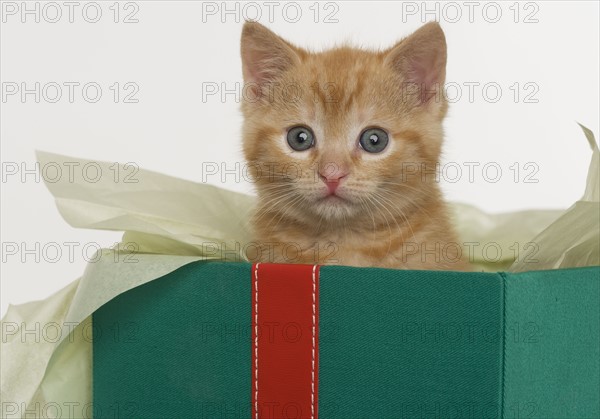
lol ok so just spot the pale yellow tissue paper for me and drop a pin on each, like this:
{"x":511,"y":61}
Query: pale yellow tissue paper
{"x":151,"y":203}
{"x":24,"y":356}
{"x":170,"y":222}
{"x":493,"y":241}
{"x":573,"y":239}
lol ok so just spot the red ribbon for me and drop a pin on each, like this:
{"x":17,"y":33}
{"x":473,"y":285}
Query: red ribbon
{"x":285,"y":341}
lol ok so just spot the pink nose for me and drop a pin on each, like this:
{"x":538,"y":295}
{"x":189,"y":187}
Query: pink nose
{"x":332,"y":180}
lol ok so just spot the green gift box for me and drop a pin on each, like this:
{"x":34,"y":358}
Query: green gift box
{"x":391,"y":344}
{"x":361,"y":342}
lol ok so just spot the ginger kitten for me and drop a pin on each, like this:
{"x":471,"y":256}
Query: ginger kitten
{"x":342,"y":146}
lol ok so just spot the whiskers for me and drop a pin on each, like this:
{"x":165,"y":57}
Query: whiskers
{"x":387,"y":208}
{"x":385,"y":214}
{"x":280,"y":198}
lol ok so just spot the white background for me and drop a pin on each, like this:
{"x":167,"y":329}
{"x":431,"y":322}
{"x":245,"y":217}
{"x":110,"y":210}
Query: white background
{"x":175,"y":49}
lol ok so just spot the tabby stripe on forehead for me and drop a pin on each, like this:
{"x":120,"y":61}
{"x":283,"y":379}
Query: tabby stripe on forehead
{"x":285,"y":340}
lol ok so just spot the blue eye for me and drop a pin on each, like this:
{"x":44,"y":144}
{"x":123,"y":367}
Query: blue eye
{"x":300,"y":138}
{"x":373,"y":140}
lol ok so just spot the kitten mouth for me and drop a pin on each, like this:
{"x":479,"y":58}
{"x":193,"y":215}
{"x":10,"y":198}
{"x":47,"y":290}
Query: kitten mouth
{"x":334,"y":198}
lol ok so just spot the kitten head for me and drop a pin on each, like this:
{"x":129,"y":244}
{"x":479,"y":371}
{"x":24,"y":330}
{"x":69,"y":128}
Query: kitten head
{"x":344,"y":133}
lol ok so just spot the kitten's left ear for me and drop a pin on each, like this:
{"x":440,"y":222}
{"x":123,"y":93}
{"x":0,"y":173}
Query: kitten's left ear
{"x":420,"y":59}
{"x":265,"y":56}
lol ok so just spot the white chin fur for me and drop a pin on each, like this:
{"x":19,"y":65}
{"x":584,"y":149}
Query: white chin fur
{"x":334,"y":209}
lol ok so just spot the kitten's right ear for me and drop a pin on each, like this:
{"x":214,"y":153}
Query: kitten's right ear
{"x":265,"y":56}
{"x":421,"y":59}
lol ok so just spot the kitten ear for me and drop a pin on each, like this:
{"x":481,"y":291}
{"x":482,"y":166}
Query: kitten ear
{"x":265,"y":56}
{"x":420,"y":59}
